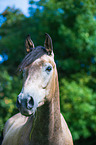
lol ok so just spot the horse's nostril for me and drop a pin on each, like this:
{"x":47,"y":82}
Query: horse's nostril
{"x":30,"y":103}
{"x":18,"y":103}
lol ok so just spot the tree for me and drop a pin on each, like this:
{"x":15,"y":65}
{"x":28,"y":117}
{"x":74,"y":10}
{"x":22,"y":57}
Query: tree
{"x":9,"y":47}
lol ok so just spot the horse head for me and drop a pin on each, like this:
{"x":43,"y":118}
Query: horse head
{"x":39,"y":74}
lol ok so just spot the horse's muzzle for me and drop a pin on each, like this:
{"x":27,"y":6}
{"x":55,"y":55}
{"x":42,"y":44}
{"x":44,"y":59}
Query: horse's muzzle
{"x":18,"y":103}
{"x":26,"y":103}
{"x":30,"y":103}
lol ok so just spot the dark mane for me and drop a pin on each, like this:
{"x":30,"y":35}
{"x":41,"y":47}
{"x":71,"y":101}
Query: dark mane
{"x":32,"y":56}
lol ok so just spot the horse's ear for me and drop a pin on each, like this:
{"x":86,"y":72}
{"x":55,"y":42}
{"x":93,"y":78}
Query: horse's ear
{"x":48,"y":44}
{"x":29,"y":45}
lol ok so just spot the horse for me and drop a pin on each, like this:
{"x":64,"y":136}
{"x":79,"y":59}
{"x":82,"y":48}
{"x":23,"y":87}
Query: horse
{"x":39,"y":121}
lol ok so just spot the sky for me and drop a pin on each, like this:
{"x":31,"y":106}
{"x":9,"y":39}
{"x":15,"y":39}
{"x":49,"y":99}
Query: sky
{"x":21,"y":4}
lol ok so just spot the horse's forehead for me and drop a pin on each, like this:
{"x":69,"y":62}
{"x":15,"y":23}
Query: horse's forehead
{"x":44,"y":59}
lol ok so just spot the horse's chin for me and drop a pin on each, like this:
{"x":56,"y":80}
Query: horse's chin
{"x":40,"y":104}
{"x":27,"y":113}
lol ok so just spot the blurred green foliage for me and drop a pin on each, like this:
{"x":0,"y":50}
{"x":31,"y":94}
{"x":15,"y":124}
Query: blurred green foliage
{"x":9,"y":88}
{"x":78,"y":107}
{"x":72,"y":26}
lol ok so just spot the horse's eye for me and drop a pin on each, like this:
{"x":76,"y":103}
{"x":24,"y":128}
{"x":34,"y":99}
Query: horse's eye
{"x":49,"y":68}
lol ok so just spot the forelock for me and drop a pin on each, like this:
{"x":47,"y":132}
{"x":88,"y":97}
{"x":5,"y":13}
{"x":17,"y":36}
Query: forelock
{"x":32,"y":56}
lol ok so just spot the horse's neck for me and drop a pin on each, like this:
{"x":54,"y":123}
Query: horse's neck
{"x":47,"y":121}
